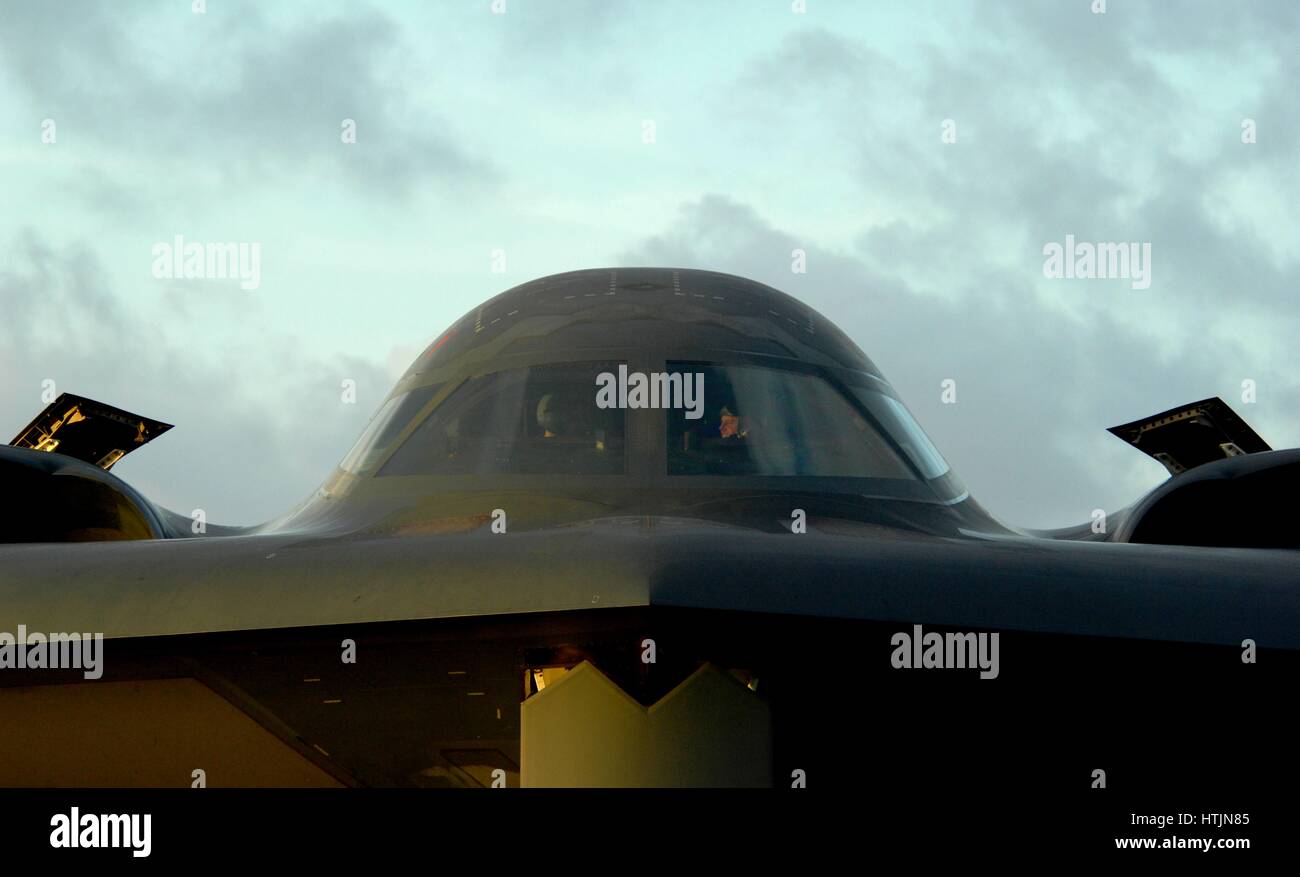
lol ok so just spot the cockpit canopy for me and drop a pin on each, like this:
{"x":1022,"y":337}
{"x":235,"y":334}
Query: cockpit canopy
{"x":711,"y":419}
{"x":596,"y":379}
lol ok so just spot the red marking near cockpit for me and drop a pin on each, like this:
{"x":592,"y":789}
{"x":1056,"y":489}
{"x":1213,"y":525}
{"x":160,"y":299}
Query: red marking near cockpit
{"x":435,"y":345}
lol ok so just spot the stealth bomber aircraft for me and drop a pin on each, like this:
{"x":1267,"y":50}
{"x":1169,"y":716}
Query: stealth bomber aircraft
{"x":645,"y":527}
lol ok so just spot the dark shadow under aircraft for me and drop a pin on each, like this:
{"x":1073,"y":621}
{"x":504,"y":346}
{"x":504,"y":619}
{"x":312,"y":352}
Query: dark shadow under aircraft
{"x":643,"y":527}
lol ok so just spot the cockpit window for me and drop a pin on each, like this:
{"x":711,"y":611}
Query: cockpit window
{"x":377,"y":438}
{"x":898,"y":422}
{"x":762,"y":421}
{"x":541,"y":420}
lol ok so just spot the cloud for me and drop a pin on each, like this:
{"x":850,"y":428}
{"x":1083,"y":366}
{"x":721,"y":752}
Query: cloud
{"x":237,"y":92}
{"x":260,"y":420}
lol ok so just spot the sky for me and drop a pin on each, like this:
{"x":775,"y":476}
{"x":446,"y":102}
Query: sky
{"x":921,"y":154}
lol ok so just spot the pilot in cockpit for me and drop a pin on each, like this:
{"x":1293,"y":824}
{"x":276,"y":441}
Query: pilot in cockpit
{"x":732,"y":426}
{"x":565,"y":417}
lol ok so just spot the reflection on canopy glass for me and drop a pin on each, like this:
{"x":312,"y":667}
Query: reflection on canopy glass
{"x":762,"y":421}
{"x":528,"y":421}
{"x":378,"y":437}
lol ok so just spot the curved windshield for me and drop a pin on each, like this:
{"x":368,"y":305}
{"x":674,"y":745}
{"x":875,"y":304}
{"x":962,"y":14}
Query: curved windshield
{"x":762,"y":421}
{"x":542,"y":420}
{"x":899,"y":424}
{"x":570,"y":419}
{"x":377,"y":439}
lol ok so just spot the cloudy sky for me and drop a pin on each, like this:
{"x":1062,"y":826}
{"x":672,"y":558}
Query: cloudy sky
{"x":922,"y":154}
